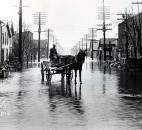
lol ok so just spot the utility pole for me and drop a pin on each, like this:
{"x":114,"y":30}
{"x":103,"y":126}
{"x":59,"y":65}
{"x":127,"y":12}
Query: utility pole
{"x":79,"y":45}
{"x":82,"y":43}
{"x":105,"y":15}
{"x":137,"y":3}
{"x":92,"y":41}
{"x":93,"y":35}
{"x":53,"y":39}
{"x":110,"y":50}
{"x":86,"y":41}
{"x":104,"y":37}
{"x":39,"y":31}
{"x":20,"y":37}
{"x":104,"y":31}
{"x":48,"y":43}
{"x":39,"y":19}
{"x":20,"y":44}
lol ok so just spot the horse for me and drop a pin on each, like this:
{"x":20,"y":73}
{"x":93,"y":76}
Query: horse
{"x":79,"y":60}
{"x":76,"y":62}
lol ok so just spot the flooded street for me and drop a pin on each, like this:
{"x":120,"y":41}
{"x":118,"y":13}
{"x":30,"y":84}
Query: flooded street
{"x":107,"y":100}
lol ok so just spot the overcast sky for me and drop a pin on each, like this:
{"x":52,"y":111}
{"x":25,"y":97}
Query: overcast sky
{"x":69,"y":19}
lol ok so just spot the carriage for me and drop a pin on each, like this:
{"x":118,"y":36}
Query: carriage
{"x":50,"y":68}
{"x":64,"y":65}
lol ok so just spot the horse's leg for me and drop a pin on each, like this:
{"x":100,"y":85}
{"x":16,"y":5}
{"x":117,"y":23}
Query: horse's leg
{"x":80,"y":70}
{"x":42,"y":71}
{"x":80,"y":76}
{"x":75,"y":75}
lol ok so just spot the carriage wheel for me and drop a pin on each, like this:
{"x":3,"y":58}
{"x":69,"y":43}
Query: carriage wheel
{"x":48,"y":77}
{"x":62,"y":75}
{"x":71,"y":75}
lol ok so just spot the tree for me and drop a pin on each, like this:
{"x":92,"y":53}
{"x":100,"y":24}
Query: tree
{"x":134,"y":31}
{"x":27,"y":44}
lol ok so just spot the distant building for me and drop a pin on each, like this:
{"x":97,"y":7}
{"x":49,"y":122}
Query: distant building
{"x":85,"y":46}
{"x":115,"y":51}
{"x":93,"y":49}
{"x":43,"y":47}
{"x":110,"y":47}
{"x":6,"y":43}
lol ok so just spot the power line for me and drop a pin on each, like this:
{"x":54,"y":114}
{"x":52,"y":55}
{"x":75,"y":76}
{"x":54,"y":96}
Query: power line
{"x":39,"y":19}
{"x":106,"y":15}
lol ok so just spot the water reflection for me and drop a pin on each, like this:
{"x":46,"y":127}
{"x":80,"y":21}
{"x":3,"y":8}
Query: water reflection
{"x":129,"y":111}
{"x":99,"y":66}
{"x":101,"y":102}
{"x":20,"y":106}
{"x":66,"y":93}
{"x":104,"y":84}
{"x":129,"y":83}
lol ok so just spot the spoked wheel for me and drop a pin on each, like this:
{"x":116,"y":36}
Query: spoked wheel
{"x":48,"y":75}
{"x":69,"y":74}
{"x":62,"y":76}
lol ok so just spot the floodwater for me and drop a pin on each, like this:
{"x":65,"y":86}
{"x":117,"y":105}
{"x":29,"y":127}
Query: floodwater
{"x":107,"y":100}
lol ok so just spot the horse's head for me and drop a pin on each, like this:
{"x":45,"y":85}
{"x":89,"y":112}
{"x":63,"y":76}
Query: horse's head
{"x":81,"y":56}
{"x":83,"y":53}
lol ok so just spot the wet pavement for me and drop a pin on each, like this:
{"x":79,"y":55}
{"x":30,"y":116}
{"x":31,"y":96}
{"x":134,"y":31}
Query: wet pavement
{"x":107,"y":100}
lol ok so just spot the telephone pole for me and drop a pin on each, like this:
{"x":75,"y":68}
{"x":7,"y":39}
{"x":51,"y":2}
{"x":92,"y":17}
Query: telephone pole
{"x":20,"y":37}
{"x":39,"y":31}
{"x":79,"y":45}
{"x":137,"y":3}
{"x":82,"y":43}
{"x":39,"y":19}
{"x":20,"y":40}
{"x":105,"y":15}
{"x":92,"y":41}
{"x":86,"y":41}
{"x":93,"y":34}
{"x":53,"y":39}
{"x":104,"y":31}
{"x":48,"y":43}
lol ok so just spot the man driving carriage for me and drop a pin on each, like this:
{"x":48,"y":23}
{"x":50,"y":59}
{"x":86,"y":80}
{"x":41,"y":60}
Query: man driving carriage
{"x":54,"y":57}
